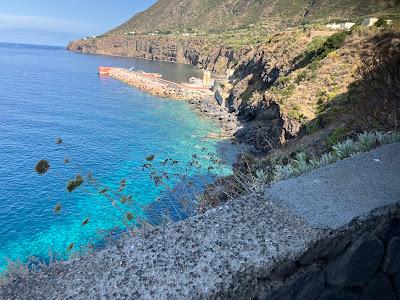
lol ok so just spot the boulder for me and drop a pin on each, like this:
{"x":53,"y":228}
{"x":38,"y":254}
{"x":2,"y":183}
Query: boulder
{"x":339,"y":294}
{"x":357,"y":265}
{"x":379,"y":288}
{"x":305,"y":286}
{"x":391,"y":262}
{"x":396,"y":285}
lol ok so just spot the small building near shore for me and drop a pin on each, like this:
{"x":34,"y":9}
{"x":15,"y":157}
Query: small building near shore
{"x":196,"y":81}
{"x":207,"y":79}
{"x":206,"y":82}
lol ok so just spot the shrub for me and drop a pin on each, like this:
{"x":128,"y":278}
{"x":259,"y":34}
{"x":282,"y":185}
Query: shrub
{"x":296,"y":114}
{"x":333,"y":43}
{"x":314,"y":126}
{"x":381,"y":23}
{"x":301,"y":76}
{"x":337,"y":135}
{"x":318,"y":50}
{"x":235,"y":62}
{"x":316,"y":43}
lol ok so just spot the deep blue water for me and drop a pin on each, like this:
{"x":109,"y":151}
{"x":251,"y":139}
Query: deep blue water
{"x":109,"y":129}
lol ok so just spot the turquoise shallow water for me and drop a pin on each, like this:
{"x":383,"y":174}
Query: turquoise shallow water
{"x":110,"y":129}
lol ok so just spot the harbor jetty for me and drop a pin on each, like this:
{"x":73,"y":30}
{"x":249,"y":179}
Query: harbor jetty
{"x":153,"y":84}
{"x":202,"y":99}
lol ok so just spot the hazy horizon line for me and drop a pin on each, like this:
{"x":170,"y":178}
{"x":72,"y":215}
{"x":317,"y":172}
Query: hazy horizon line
{"x":30,"y":44}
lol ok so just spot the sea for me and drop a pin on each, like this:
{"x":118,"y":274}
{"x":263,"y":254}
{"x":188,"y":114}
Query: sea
{"x":144,"y":160}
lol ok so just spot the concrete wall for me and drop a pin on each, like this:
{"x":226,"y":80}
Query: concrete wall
{"x":361,"y":263}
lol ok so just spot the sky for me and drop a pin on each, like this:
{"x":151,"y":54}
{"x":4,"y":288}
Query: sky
{"x":56,"y":22}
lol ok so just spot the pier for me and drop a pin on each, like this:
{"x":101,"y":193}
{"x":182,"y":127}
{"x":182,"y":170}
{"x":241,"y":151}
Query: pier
{"x":153,"y":84}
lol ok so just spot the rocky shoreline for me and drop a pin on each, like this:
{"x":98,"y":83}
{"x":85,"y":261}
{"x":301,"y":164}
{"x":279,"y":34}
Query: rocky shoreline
{"x":227,"y":122}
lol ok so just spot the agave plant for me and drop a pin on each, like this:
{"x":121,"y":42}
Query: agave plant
{"x":395,"y":137}
{"x":389,"y":137}
{"x":327,"y":159}
{"x":262,"y":176}
{"x":315,"y":163}
{"x":366,"y":141}
{"x":381,"y":137}
{"x":283,"y":172}
{"x":344,"y":149}
{"x":300,"y":164}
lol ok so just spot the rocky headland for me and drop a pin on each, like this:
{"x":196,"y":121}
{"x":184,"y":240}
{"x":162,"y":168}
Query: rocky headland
{"x":197,"y":51}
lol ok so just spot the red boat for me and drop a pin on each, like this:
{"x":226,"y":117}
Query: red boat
{"x":104,"y":70}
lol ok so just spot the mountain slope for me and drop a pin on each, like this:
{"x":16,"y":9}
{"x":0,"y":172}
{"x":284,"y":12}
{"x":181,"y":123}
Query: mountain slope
{"x":220,"y":15}
{"x":207,"y":33}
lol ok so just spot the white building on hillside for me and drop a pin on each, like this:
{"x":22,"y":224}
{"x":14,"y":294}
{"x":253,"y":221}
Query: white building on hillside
{"x":369,"y":21}
{"x":341,"y":26}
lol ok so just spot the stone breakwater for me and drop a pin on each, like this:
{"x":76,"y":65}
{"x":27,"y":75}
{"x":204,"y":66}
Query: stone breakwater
{"x":271,"y":245}
{"x":159,"y":87}
{"x":202,"y":100}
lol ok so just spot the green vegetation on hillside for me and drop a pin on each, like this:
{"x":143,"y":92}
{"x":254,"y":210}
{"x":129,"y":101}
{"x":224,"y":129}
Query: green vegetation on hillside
{"x":365,"y":142}
{"x":214,"y":16}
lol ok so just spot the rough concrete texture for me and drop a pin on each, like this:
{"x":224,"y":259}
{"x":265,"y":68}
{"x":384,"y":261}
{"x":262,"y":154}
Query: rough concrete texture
{"x":331,"y":197}
{"x":224,"y":250}
{"x":250,"y":248}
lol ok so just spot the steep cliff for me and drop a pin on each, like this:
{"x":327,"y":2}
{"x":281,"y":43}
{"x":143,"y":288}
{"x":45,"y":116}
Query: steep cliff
{"x":299,"y":84}
{"x":197,"y":51}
